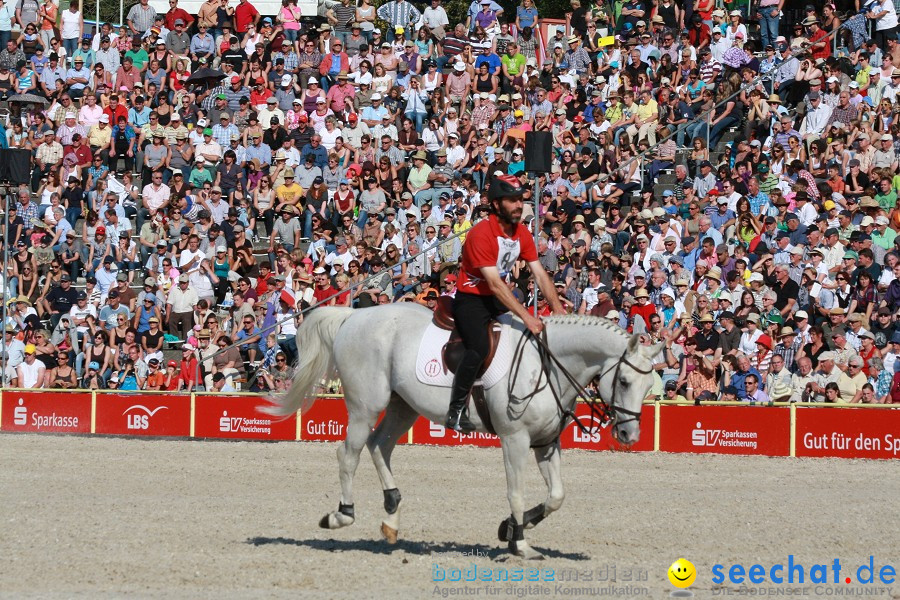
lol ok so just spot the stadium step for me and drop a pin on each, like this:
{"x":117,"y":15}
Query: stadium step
{"x":666,"y":178}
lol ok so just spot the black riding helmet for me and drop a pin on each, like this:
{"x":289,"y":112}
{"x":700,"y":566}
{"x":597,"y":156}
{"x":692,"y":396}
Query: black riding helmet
{"x":505,"y":186}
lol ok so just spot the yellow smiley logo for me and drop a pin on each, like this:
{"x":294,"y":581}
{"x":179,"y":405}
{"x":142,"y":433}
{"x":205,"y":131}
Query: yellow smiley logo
{"x":682,"y":573}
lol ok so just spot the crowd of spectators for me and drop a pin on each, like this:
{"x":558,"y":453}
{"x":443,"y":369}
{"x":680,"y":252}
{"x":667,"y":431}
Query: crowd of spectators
{"x":198,"y":180}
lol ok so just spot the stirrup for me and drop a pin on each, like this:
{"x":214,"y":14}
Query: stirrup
{"x":460,"y":422}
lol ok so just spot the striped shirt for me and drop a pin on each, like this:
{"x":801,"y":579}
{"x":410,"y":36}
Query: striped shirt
{"x":578,"y":59}
{"x":757,"y":202}
{"x":344,"y":15}
{"x":49,"y":154}
{"x":234,"y":97}
{"x":398,"y":13}
{"x":454,"y":45}
{"x":223,"y":134}
{"x":502,"y":125}
{"x":291,"y":60}
{"x":142,"y":18}
{"x":710,"y":70}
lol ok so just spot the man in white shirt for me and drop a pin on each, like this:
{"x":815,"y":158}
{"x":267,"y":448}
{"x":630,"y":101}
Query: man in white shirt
{"x":191,"y":257}
{"x":805,"y":210}
{"x":719,"y":44}
{"x":154,"y":195}
{"x":80,"y":312}
{"x":885,"y":16}
{"x":435,"y":17}
{"x":816,"y":119}
{"x":591,"y":295}
{"x":340,"y":255}
{"x":106,"y":277}
{"x":30,"y":372}
{"x":14,"y":349}
{"x":209,"y":149}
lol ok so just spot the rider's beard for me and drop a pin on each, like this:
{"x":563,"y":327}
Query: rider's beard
{"x":509,"y":216}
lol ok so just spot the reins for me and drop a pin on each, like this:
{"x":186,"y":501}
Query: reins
{"x":603,"y":412}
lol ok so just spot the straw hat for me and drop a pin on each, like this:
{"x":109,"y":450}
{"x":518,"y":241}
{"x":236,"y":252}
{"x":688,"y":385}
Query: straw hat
{"x":780,"y":391}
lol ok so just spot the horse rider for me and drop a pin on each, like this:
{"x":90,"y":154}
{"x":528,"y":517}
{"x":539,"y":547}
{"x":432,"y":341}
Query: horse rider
{"x":492,"y":248}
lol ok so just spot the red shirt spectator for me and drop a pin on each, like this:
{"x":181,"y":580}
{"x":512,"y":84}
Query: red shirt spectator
{"x":178,"y":13}
{"x":324,"y":293}
{"x":245,"y":14}
{"x":259,"y":95}
{"x":129,"y":77}
{"x":819,"y":36}
{"x":188,"y":372}
{"x":325,"y":66}
{"x":700,"y":35}
{"x":82,"y":153}
{"x":115,"y":113}
{"x":643,"y":310}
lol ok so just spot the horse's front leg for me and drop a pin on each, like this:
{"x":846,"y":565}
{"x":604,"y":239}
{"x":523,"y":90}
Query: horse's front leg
{"x":548,"y":461}
{"x":515,"y":458}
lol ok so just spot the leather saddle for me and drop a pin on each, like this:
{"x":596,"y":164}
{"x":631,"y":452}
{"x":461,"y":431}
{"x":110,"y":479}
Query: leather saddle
{"x":453,"y":350}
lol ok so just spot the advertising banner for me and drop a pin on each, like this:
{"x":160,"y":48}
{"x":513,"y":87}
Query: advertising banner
{"x":143,"y":414}
{"x":47,"y":412}
{"x":725,"y":430}
{"x":599,"y":438}
{"x":426,"y":432}
{"x":848,"y":432}
{"x":236,"y":417}
{"x":326,"y":421}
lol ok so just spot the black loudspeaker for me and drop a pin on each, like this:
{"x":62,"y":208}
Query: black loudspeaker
{"x":15,"y":165}
{"x":538,"y":151}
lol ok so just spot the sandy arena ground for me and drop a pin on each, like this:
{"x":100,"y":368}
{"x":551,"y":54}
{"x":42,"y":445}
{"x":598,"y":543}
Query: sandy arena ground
{"x":100,"y":517}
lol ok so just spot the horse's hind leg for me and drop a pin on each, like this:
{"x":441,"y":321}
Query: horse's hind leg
{"x":359,"y":425}
{"x":398,"y":418}
{"x":548,"y":463}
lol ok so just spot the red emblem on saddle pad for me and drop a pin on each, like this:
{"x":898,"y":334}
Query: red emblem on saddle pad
{"x":433,"y":368}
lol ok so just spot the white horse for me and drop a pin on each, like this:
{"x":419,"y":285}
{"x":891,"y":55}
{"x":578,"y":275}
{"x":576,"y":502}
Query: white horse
{"x":374,"y":351}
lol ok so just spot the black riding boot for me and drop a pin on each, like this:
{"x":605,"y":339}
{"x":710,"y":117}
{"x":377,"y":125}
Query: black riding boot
{"x":457,"y":417}
{"x":463,"y":380}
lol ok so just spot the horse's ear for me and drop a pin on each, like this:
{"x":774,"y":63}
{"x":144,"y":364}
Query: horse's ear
{"x":651,"y":352}
{"x":633,"y":343}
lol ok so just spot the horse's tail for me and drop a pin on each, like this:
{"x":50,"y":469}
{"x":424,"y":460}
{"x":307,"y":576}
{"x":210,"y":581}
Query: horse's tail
{"x":315,"y":342}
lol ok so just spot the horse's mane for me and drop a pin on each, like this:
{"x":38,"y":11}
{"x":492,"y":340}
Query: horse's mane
{"x":585,"y":320}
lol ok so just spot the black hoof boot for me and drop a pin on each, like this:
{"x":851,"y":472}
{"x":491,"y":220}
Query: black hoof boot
{"x":514,"y":533}
{"x":502,"y":532}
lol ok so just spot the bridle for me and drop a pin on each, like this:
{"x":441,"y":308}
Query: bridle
{"x":606,"y":413}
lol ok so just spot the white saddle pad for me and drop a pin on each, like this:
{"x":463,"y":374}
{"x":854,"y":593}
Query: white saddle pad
{"x":430,"y":368}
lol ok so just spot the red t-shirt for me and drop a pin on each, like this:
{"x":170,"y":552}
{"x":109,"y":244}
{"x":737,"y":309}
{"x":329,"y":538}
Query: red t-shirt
{"x":644,"y":312}
{"x":178,"y":13}
{"x":244,"y":13}
{"x":188,"y":371}
{"x":487,"y":246}
{"x":323,"y":293}
{"x":819,"y":36}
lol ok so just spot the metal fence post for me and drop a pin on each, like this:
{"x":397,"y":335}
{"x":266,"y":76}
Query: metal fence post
{"x":708,"y":121}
